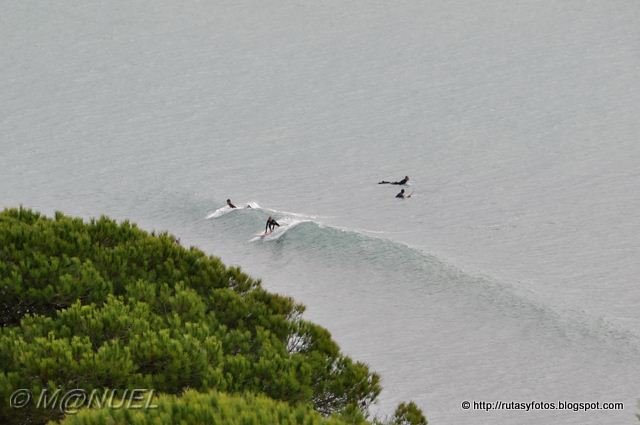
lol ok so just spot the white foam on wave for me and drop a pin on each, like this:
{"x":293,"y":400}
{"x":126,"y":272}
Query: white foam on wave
{"x":293,"y":214}
{"x":220,"y":212}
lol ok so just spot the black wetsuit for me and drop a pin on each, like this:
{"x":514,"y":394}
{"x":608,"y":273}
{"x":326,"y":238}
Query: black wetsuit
{"x":401,"y":182}
{"x":400,"y":195}
{"x":271,"y":224}
{"x":230,"y":204}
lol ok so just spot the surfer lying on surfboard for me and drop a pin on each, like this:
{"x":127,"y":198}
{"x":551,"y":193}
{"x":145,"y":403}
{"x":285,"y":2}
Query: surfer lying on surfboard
{"x":271,"y":224}
{"x":401,"y":182}
{"x":230,"y":205}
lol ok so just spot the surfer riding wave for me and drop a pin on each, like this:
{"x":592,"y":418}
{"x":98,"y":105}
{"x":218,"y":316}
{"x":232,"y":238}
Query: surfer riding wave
{"x":271,"y":224}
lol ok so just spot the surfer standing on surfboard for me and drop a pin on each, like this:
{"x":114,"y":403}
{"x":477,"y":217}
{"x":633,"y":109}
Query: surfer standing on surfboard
{"x":401,"y":182}
{"x":271,"y":224}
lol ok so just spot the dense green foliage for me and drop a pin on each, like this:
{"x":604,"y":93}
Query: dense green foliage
{"x":408,"y":414}
{"x":212,"y":408}
{"x":102,"y":304}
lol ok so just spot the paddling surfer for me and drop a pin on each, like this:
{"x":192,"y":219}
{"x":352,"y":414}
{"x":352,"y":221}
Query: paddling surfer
{"x":401,"y":182}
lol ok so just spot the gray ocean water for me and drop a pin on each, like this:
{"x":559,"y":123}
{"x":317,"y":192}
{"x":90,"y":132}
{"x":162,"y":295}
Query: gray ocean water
{"x":512,"y":272}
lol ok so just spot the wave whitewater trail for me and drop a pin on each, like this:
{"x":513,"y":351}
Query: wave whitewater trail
{"x":307,"y":235}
